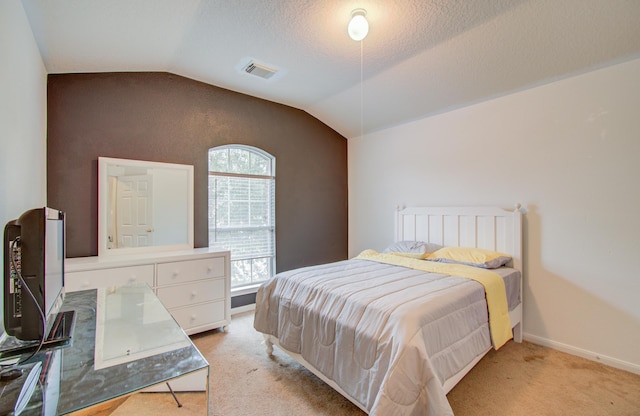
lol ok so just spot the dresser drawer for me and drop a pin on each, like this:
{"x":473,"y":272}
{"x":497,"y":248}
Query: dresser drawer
{"x":185,"y":271}
{"x":117,"y":276}
{"x":210,"y":315}
{"x":197,"y":292}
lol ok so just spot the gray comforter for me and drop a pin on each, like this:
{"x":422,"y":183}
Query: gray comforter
{"x":388,"y":335}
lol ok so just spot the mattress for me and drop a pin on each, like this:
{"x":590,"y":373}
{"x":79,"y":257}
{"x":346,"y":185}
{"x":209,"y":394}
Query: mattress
{"x":512,"y":281}
{"x":388,"y":335}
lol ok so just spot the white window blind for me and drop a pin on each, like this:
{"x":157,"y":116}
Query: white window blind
{"x":242,"y":211}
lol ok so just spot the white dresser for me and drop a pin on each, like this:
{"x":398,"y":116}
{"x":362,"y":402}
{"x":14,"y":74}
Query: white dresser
{"x":194,"y":285}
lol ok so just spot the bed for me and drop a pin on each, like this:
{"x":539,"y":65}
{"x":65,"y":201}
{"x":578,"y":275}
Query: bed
{"x":395,"y":331}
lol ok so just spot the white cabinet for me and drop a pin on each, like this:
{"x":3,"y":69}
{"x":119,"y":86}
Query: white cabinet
{"x":194,"y":285}
{"x":196,"y":292}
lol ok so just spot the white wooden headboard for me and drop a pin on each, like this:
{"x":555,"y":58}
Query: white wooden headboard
{"x":491,"y":228}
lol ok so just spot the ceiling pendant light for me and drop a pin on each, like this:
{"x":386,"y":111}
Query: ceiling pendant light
{"x":358,"y":29}
{"x":358,"y":25}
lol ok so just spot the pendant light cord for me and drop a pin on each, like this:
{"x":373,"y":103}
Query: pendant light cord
{"x":361,"y":88}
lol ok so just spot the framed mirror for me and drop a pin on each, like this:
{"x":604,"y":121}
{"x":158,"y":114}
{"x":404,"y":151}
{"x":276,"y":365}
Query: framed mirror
{"x":144,"y":206}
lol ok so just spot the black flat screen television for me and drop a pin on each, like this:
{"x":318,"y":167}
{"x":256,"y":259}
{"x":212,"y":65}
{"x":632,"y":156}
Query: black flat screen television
{"x":34,"y":252}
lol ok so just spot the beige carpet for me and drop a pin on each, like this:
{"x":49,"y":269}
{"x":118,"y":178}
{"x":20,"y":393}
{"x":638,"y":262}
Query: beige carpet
{"x":519,"y":379}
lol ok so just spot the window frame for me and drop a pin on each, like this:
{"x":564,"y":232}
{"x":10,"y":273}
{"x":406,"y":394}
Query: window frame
{"x":212,"y":227}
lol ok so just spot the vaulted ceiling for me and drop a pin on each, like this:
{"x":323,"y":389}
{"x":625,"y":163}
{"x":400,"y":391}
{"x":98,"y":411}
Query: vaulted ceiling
{"x":421,"y":57}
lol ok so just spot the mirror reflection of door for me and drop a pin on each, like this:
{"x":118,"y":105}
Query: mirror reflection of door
{"x":134,"y":222}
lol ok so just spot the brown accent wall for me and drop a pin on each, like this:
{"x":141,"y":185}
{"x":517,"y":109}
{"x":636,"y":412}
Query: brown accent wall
{"x":167,"y":118}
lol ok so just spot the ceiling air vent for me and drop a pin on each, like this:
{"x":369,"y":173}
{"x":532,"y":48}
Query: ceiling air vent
{"x":259,"y":70}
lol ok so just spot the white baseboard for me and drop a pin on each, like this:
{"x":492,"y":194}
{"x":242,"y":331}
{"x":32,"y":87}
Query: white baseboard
{"x":241,"y":309}
{"x":579,"y":352}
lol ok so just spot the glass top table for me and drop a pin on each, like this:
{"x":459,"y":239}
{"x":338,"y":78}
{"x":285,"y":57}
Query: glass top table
{"x":131,"y":324}
{"x":124,"y":341}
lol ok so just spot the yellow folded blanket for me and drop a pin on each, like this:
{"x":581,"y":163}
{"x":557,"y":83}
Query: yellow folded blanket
{"x":495,"y":292}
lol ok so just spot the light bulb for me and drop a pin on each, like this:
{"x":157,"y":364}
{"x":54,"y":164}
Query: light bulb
{"x":358,"y":25}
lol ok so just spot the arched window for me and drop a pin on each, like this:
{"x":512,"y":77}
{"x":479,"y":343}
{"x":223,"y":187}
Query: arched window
{"x":242,"y":211}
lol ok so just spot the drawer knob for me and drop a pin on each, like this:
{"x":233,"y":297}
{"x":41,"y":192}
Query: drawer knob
{"x":193,"y":317}
{"x":193,"y":294}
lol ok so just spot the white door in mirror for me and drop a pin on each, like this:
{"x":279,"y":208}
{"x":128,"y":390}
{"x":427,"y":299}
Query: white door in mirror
{"x":134,"y":218}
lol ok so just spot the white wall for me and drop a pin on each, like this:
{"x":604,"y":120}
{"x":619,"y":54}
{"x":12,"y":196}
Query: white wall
{"x":569,"y":151}
{"x":23,"y":120}
{"x":170,"y":207}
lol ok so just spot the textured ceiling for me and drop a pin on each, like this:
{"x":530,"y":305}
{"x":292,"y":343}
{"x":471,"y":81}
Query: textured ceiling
{"x":422,"y":57}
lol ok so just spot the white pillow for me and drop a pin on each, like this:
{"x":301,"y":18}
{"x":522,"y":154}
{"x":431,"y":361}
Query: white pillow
{"x":476,"y":257}
{"x":412,"y":247}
